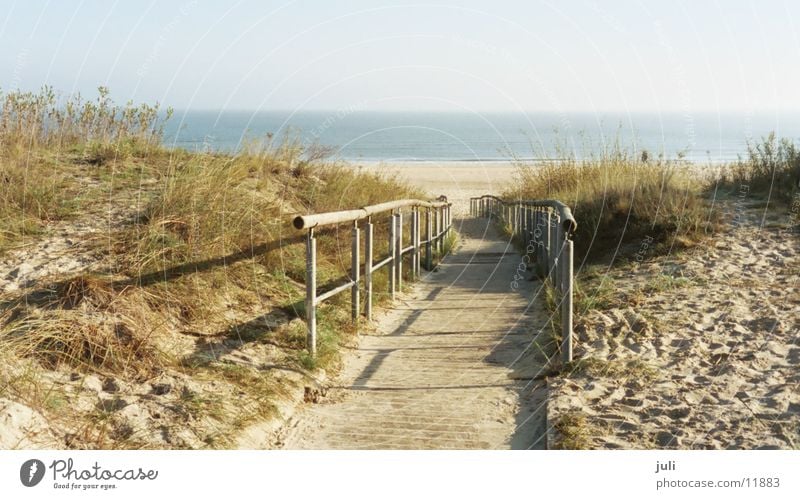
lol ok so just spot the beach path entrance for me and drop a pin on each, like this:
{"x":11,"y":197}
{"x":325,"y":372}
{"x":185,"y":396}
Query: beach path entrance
{"x":452,"y":364}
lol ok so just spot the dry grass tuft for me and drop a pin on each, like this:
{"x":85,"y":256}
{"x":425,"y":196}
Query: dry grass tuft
{"x":573,"y":432}
{"x":78,"y":340}
{"x":97,"y":291}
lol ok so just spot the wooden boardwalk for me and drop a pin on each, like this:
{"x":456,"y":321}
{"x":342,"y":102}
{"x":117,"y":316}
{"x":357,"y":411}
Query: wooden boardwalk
{"x":449,"y":366}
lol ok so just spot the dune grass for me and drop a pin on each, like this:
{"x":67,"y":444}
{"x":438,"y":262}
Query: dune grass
{"x":204,"y":265}
{"x":33,"y":120}
{"x":770,"y":171}
{"x":216,"y":232}
{"x":622,"y":202}
{"x":45,"y":139}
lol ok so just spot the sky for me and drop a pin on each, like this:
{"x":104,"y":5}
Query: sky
{"x":570,"y":55}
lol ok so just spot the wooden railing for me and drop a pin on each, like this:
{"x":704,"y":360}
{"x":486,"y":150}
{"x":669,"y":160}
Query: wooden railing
{"x":545,"y":229}
{"x":437,"y":224}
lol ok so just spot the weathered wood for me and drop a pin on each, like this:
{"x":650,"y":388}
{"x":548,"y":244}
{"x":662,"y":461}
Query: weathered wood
{"x":538,"y":238}
{"x":530,"y":225}
{"x":398,"y":261}
{"x":429,"y":240}
{"x":393,"y":261}
{"x":559,"y":256}
{"x":336,"y":217}
{"x":412,"y":386}
{"x":382,"y":263}
{"x":564,"y":212}
{"x":416,"y":240}
{"x":393,"y":254}
{"x":566,"y":303}
{"x":546,"y":233}
{"x":368,"y":237}
{"x":438,"y":239}
{"x":355,"y":298}
{"x":449,"y":210}
{"x":548,"y":225}
{"x":311,"y":293}
{"x":333,"y":292}
{"x":552,"y":249}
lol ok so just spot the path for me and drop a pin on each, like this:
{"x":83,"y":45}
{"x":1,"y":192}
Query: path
{"x":443,"y":369}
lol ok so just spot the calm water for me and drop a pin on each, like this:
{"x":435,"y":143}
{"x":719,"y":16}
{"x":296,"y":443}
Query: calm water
{"x":438,"y":136}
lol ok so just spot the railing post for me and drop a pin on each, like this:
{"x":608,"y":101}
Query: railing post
{"x":368,"y":235}
{"x":557,"y":244}
{"x":530,"y":225}
{"x":442,"y":228}
{"x":566,"y":303}
{"x":429,"y":240}
{"x":415,"y":243}
{"x":525,"y":226}
{"x":393,"y":253}
{"x":438,"y":217}
{"x":355,"y":298}
{"x":538,"y":241}
{"x":547,"y":235}
{"x":311,"y":293}
{"x":399,"y":252}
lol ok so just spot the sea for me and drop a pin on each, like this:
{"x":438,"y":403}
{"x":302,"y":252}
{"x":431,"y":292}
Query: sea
{"x":396,"y":136}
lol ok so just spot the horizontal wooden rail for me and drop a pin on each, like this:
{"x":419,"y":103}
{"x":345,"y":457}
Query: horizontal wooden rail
{"x":564,"y":212}
{"x":338,"y":217}
{"x":436,"y":214}
{"x":545,"y":229}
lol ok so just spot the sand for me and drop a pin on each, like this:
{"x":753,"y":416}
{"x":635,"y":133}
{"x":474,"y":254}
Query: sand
{"x":458,"y":180}
{"x":720,"y":348}
{"x":711,"y":347}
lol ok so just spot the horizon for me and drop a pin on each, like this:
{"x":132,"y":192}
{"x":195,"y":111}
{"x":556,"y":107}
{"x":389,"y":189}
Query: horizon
{"x":723,"y":112}
{"x":621,"y":57}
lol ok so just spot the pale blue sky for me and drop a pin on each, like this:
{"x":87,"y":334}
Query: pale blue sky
{"x":578,"y":55}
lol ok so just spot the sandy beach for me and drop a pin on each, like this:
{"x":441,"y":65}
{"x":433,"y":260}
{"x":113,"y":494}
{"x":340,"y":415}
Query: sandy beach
{"x":458,"y":180}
